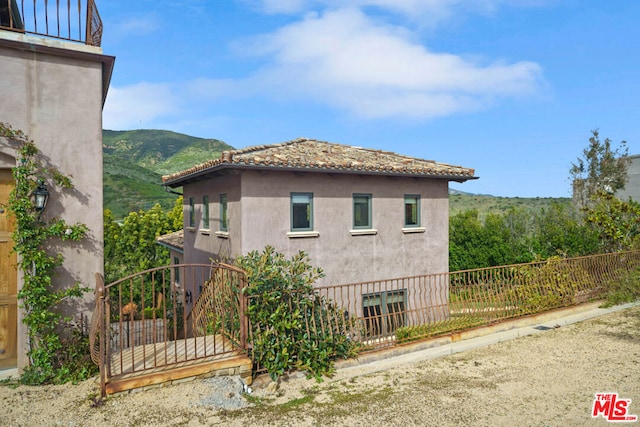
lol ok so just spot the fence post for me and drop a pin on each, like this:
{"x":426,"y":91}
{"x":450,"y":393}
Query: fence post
{"x":100,"y":312}
{"x":244,"y":320}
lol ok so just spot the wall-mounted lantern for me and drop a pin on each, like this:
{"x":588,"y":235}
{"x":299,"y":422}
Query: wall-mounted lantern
{"x":41,"y":196}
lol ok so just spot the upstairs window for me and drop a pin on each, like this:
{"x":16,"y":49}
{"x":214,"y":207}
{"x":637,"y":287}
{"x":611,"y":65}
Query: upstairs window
{"x":301,"y":211}
{"x":205,"y":212}
{"x":224,"y":225}
{"x":192,"y":213}
{"x":361,"y":211}
{"x":411,"y":210}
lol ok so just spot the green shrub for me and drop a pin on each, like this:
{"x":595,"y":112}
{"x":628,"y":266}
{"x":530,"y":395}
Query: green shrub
{"x":292,"y":327}
{"x":623,"y":290}
{"x":552,"y":284}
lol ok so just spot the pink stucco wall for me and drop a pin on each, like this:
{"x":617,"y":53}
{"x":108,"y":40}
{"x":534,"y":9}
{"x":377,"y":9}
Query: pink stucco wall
{"x":53,"y":91}
{"x":259,"y":215}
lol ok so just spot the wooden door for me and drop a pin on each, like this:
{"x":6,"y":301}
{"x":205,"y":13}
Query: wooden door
{"x":8,"y":279}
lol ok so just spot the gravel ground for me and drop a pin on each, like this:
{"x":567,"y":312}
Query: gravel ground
{"x":547,"y":379}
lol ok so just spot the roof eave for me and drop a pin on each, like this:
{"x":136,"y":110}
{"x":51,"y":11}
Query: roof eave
{"x":201,"y":174}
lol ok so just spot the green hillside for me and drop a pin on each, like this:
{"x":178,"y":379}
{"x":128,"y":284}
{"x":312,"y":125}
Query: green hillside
{"x":484,"y":204}
{"x":134,"y":162}
{"x":129,"y":187}
{"x":161,"y":151}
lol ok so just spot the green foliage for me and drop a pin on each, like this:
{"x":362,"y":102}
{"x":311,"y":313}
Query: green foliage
{"x":518,"y":236}
{"x":498,"y":240}
{"x":486,"y":204}
{"x":600,"y":168}
{"x":552,"y":284}
{"x":616,"y":222}
{"x":292,"y":326}
{"x":560,"y":230}
{"x":50,"y":336}
{"x":131,"y":247}
{"x":626,"y":289}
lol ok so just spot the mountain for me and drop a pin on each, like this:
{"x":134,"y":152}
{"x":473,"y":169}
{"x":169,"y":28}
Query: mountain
{"x":135,"y":160}
{"x":161,"y":151}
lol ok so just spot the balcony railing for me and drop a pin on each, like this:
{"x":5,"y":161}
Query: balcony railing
{"x":73,"y":20}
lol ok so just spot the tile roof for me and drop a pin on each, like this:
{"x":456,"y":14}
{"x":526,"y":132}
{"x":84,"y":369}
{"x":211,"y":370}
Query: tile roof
{"x":321,"y":156}
{"x":173,"y":240}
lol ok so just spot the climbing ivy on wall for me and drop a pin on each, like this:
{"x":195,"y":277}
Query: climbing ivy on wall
{"x":54,"y":346}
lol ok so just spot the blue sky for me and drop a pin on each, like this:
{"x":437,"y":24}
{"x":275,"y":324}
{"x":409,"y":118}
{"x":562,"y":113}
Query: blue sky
{"x":511,"y":88}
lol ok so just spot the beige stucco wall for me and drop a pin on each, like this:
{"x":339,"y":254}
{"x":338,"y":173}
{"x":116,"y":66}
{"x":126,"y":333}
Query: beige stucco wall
{"x":262,"y":217}
{"x":55,"y":96}
{"x":347,"y":258}
{"x":207,"y":244}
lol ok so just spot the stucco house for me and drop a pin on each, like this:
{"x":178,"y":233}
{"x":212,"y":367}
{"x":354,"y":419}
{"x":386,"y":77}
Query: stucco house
{"x":632,"y":187}
{"x":53,"y":85}
{"x":360,"y":214}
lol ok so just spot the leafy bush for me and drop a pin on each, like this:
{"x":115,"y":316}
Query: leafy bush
{"x":292,"y":327}
{"x":623,"y":290}
{"x":554,"y":283}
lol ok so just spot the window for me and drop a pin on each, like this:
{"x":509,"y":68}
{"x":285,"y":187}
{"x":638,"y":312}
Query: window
{"x":384,"y":312}
{"x":361,"y":211}
{"x":205,"y":212}
{"x":176,"y":270}
{"x":301,"y":211}
{"x":192,"y":213}
{"x":224,"y":225}
{"x":411,"y":210}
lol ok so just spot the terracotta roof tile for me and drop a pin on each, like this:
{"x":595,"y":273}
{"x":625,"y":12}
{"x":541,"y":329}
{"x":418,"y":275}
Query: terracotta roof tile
{"x":303,"y":153}
{"x":174,"y":240}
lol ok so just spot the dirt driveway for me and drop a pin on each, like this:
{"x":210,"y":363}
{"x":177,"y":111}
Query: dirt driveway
{"x":547,"y":379}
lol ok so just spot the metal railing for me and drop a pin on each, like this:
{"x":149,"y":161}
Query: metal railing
{"x":154,"y":319}
{"x":389,"y":312}
{"x":170,"y":315}
{"x":73,"y":20}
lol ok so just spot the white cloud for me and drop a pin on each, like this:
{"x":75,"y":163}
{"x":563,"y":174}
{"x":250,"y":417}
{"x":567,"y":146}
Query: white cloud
{"x":138,"y":106}
{"x":137,"y":25}
{"x":167,"y":105}
{"x":344,"y":59}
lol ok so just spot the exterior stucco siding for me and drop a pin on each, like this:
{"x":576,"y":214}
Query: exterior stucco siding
{"x":345,"y":257}
{"x":205,"y":245}
{"x":56,"y":99}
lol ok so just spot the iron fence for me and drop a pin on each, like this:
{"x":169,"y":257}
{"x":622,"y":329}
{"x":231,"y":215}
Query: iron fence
{"x":73,"y":20}
{"x":182,"y":313}
{"x":387,"y":312}
{"x":168,"y":317}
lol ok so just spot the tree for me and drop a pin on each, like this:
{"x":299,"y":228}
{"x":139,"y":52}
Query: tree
{"x":617,"y":222}
{"x":560,"y":230}
{"x":131,"y":247}
{"x":600,"y":168}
